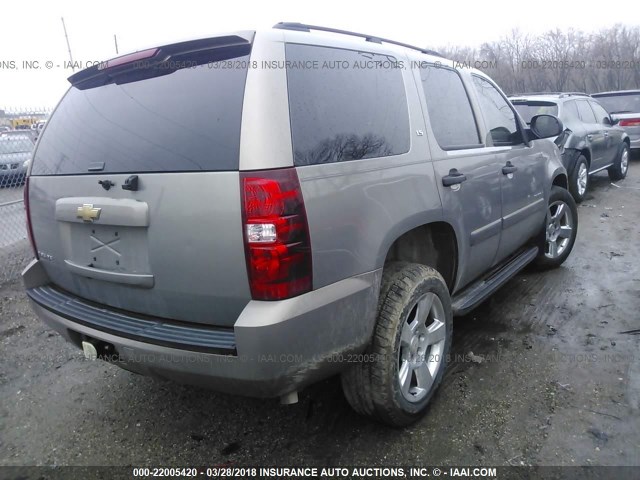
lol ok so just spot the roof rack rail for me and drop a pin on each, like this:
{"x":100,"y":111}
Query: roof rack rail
{"x":303,"y":27}
{"x":560,"y":94}
{"x":571,"y":94}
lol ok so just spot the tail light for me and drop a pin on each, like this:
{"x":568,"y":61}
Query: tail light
{"x":28,"y":219}
{"x":630,"y":122}
{"x":276,"y":234}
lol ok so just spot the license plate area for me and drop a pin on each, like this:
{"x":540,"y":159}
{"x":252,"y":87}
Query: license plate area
{"x":112,"y":248}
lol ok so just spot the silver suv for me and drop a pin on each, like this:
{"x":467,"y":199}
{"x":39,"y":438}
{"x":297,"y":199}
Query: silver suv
{"x":258,"y":211}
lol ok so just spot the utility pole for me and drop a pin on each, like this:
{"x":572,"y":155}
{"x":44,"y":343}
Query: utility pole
{"x":115,"y":40}
{"x":64,"y":27}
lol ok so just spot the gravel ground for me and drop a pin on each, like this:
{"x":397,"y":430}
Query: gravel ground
{"x":542,"y":375}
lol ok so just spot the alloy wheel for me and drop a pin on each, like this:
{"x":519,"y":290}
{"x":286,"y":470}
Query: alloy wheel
{"x":559,"y":229}
{"x":420,"y":354}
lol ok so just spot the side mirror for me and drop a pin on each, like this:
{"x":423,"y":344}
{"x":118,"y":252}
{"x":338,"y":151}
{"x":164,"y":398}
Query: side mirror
{"x":546,"y":126}
{"x":607,"y":121}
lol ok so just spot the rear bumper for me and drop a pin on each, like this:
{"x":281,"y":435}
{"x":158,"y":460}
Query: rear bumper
{"x":280,"y":347}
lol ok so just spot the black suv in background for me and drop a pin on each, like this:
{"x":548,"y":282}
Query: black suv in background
{"x":591,"y":141}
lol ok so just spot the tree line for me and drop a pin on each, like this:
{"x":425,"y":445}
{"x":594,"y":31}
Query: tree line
{"x":558,"y":61}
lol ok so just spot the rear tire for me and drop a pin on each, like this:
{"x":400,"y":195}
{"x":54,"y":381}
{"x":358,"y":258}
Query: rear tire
{"x":579,"y":179}
{"x":409,"y":350}
{"x":621,"y":166}
{"x":559,"y":231}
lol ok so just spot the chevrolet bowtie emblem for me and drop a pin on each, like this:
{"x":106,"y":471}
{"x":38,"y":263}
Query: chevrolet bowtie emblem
{"x":88,"y":213}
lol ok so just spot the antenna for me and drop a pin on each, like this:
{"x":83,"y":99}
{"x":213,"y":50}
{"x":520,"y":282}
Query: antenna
{"x":64,"y":27}
{"x":115,"y":40}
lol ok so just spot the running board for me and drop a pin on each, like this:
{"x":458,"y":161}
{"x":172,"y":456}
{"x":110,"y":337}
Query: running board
{"x":477,"y":292}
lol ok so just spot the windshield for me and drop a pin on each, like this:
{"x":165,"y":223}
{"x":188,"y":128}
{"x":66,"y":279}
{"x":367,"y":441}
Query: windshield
{"x":9,"y":146}
{"x":625,"y":103}
{"x":528,"y":110}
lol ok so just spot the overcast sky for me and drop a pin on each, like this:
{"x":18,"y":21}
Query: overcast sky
{"x":33,"y":31}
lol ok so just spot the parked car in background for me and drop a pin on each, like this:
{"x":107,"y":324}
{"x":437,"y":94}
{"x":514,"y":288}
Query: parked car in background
{"x":328,"y":221}
{"x":15,"y":153}
{"x":624,"y":106}
{"x":4,"y":128}
{"x":28,"y":134}
{"x":590,"y":143}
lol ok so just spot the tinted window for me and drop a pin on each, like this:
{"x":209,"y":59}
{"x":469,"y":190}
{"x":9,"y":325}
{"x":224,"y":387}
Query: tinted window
{"x":528,"y":110}
{"x":352,"y":106}
{"x":184,"y":121}
{"x":570,"y":111}
{"x":599,"y":111}
{"x":622,"y":103}
{"x":499,"y":117}
{"x":449,"y":109}
{"x":586,"y":114}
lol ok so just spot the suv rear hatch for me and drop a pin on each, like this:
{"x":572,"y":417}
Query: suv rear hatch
{"x":134,"y":189}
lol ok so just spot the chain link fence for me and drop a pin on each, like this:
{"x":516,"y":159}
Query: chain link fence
{"x":19,"y":130}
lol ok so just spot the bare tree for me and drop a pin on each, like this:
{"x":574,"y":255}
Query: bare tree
{"x":559,"y":60}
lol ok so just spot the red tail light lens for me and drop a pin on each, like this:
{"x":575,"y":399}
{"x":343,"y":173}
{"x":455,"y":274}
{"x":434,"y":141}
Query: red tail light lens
{"x":276,"y":234}
{"x":28,"y":218}
{"x":630,"y":122}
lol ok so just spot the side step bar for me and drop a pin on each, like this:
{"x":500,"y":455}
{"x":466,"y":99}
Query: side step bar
{"x":477,"y":292}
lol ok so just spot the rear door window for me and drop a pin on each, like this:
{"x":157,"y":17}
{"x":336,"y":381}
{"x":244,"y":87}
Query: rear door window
{"x":345,"y":105}
{"x":570,"y":111}
{"x":449,"y":109}
{"x":188,"y":120}
{"x":586,"y":114}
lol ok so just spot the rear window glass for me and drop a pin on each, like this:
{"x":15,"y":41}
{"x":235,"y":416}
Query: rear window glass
{"x":529,"y":110}
{"x":625,"y":103}
{"x":188,"y":120}
{"x":452,"y":120}
{"x":348,"y":106}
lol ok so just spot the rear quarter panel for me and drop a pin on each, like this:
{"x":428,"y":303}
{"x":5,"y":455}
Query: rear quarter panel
{"x":357,"y":209}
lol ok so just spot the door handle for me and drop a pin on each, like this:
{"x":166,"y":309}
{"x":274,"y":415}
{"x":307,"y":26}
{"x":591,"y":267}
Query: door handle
{"x":509,"y":168}
{"x":606,"y":134}
{"x":454,"y":178}
{"x":589,"y":137}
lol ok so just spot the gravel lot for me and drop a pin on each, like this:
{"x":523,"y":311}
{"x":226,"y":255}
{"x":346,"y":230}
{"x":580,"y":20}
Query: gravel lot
{"x":542,"y":375}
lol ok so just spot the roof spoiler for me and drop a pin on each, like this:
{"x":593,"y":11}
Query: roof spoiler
{"x":162,"y":60}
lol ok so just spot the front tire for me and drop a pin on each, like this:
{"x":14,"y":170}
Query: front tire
{"x":560,"y":229}
{"x":579,"y":179}
{"x":621,"y":166}
{"x":409,"y":350}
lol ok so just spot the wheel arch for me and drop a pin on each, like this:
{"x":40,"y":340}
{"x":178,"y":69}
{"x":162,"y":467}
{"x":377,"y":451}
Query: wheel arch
{"x":561,"y":180}
{"x":433,"y":244}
